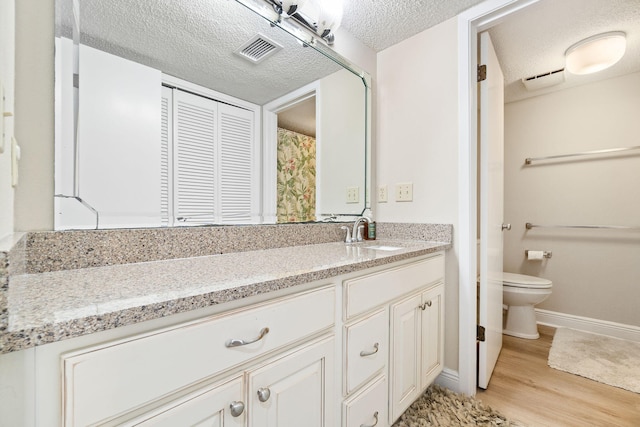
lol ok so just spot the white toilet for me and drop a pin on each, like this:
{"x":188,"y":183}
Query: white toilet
{"x":520,"y":293}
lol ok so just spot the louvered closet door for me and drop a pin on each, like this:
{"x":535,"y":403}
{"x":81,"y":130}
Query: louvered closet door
{"x":166,"y":142}
{"x":238,"y":171}
{"x":195,"y":157}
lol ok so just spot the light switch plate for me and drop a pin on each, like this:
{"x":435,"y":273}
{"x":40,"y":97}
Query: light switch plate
{"x":353,"y":194}
{"x":404,"y":192}
{"x":382,"y":194}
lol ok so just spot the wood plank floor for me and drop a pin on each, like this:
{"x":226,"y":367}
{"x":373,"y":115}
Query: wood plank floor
{"x":525,"y":389}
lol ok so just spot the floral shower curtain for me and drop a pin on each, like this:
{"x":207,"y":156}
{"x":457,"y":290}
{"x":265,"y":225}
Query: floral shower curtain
{"x":296,"y":177}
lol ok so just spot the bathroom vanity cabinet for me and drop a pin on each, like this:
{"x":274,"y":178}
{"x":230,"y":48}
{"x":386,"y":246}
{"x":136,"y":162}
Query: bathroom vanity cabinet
{"x":353,"y":350}
{"x":104,"y":382}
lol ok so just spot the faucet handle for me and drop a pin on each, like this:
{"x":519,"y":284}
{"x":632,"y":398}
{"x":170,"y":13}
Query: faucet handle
{"x":347,"y":238}
{"x":360,"y":231}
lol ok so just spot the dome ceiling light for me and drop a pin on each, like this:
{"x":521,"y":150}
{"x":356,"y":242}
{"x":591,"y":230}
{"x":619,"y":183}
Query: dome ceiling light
{"x":596,"y":53}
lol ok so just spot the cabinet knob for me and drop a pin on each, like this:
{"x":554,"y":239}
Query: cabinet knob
{"x":237,"y":408}
{"x":375,"y":415}
{"x":264,"y":394}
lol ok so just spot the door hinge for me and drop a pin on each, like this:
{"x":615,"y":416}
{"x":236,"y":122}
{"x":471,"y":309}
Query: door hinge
{"x":480,"y":333}
{"x":482,"y":73}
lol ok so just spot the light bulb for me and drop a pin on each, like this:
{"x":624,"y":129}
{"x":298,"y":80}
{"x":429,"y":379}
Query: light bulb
{"x":330,"y":16}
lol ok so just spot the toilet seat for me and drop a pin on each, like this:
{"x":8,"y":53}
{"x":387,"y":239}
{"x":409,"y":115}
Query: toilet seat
{"x":524,"y":281}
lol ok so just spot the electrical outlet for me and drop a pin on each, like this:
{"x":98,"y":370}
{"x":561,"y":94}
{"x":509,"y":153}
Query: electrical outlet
{"x":404,"y":192}
{"x":353,"y":194}
{"x":382,"y":194}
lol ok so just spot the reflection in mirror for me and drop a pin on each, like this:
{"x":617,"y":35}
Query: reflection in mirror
{"x":296,"y":187}
{"x":162,"y":121}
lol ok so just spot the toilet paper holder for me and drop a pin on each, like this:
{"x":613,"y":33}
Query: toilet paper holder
{"x":545,"y":254}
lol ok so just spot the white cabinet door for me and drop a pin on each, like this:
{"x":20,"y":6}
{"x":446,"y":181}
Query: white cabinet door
{"x":294,"y":390}
{"x":417,"y":346}
{"x":405,"y":353}
{"x":220,"y":405}
{"x":432,"y":334}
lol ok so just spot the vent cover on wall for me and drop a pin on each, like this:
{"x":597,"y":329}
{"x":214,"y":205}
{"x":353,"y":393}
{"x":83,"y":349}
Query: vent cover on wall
{"x":258,"y":48}
{"x":541,"y":81}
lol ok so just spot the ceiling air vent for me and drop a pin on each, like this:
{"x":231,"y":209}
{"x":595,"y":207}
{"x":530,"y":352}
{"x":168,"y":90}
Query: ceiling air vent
{"x":541,"y":81}
{"x":258,"y":48}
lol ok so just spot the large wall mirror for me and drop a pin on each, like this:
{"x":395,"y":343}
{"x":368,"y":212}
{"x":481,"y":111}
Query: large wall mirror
{"x":202,"y":112}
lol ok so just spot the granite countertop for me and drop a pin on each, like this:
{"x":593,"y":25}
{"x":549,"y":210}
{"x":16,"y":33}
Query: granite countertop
{"x":52,"y":306}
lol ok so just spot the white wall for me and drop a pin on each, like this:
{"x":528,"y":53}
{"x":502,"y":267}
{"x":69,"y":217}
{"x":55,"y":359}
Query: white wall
{"x":595,"y":273}
{"x":341,"y":113}
{"x":34,"y":124}
{"x":355,"y":51}
{"x":7,"y":45}
{"x":417,"y":131}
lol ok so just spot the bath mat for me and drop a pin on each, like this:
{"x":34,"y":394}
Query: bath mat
{"x":441,"y":407}
{"x":601,"y":358}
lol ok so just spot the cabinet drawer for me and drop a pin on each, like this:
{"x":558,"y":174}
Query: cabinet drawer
{"x":367,"y":347}
{"x":369,"y":407}
{"x":366,"y":292}
{"x":106,"y":381}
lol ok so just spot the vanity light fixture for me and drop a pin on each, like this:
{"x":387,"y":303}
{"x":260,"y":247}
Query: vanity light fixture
{"x":321,"y":17}
{"x":596,"y":53}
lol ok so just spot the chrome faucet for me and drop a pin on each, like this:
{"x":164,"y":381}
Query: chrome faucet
{"x":356,"y":234}
{"x":348,"y":238}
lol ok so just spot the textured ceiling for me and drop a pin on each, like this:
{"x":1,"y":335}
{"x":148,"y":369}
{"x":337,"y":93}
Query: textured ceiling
{"x":529,"y":43}
{"x":534,"y":41}
{"x":383,"y":23}
{"x":195,"y":40}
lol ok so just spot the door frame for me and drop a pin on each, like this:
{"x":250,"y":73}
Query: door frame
{"x":470,"y":23}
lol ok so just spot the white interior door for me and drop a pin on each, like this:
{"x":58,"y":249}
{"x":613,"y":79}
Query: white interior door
{"x":491,"y":123}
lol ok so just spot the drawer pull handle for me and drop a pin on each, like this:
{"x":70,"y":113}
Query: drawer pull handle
{"x":238,"y":343}
{"x":264,"y":394}
{"x":376,"y":347}
{"x":375,"y":415}
{"x":237,"y":408}
{"x":425,"y":305}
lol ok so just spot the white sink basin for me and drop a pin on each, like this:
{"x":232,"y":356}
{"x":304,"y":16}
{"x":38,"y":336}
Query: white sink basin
{"x":384,"y":248}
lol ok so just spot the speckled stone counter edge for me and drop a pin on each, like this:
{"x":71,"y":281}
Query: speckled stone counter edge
{"x":12,"y":255}
{"x":19,"y":340}
{"x":45,"y":251}
{"x":37,"y":252}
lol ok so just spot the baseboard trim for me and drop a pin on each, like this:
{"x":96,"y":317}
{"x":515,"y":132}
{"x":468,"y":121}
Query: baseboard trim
{"x":603,"y":327}
{"x":450,"y":379}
